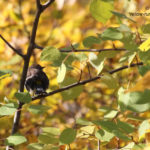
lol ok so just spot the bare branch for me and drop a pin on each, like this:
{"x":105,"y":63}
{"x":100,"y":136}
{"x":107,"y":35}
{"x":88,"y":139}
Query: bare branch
{"x":39,"y":6}
{"x":14,"y":49}
{"x":84,"y":81}
{"x":26,"y":64}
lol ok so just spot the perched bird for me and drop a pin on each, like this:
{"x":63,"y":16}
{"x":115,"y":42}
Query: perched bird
{"x":36,"y":81}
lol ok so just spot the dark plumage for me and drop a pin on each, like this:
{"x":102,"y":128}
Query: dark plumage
{"x":36,"y":80}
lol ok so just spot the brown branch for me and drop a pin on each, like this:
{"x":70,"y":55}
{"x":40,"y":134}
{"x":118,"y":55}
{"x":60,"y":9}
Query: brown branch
{"x":84,"y":82}
{"x":47,"y":4}
{"x":14,"y":49}
{"x":85,"y":50}
{"x":25,"y":68}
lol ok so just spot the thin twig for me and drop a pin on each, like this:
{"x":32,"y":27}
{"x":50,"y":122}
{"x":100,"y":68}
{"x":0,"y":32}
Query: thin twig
{"x":80,"y":75}
{"x":84,"y":81}
{"x":89,"y":70}
{"x":14,"y":49}
{"x":99,"y":143}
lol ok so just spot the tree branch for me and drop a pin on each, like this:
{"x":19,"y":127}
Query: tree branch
{"x":85,"y":50}
{"x":47,"y":4}
{"x":25,"y":68}
{"x":84,"y":81}
{"x":14,"y":49}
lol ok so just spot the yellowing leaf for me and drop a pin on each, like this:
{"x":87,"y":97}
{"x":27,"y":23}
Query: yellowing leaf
{"x":143,"y":84}
{"x":145,"y":46}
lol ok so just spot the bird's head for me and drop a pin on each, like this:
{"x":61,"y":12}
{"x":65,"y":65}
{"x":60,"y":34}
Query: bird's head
{"x":37,"y":66}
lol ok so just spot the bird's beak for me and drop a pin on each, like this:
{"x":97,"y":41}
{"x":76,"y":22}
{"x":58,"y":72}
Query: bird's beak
{"x":43,"y":67}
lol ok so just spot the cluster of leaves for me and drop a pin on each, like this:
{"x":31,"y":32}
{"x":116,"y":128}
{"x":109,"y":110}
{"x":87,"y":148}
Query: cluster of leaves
{"x":124,"y":124}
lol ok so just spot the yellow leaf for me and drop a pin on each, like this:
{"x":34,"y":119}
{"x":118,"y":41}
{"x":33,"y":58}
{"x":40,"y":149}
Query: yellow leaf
{"x":145,"y":46}
{"x":143,"y":83}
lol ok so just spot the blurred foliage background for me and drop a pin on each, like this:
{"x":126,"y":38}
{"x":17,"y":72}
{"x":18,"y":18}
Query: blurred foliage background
{"x":66,"y":22}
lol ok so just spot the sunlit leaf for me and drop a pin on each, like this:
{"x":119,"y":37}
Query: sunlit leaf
{"x":51,"y":130}
{"x":144,"y":126}
{"x":61,"y":73}
{"x":8,"y":109}
{"x":101,"y":10}
{"x":145,"y":46}
{"x":15,"y":139}
{"x":112,"y":34}
{"x":50,"y":54}
{"x":103,"y":135}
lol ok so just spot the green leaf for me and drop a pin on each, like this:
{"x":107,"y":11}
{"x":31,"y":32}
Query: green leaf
{"x":46,"y":138}
{"x":90,"y":41}
{"x":104,"y":136}
{"x":110,"y":81}
{"x":135,"y":118}
{"x":8,"y":109}
{"x":35,"y":146}
{"x":51,"y":130}
{"x":88,"y":129}
{"x":139,"y":146}
{"x":5,"y":73}
{"x":128,"y":147}
{"x":67,"y":136}
{"x":73,"y":92}
{"x":23,"y":97}
{"x":15,"y":139}
{"x":145,"y":57}
{"x":124,"y":28}
{"x":112,"y":127}
{"x":106,"y":125}
{"x":129,"y":42}
{"x":143,"y":69}
{"x":112,"y":34}
{"x":121,"y":135}
{"x":101,"y":10}
{"x":129,"y":56}
{"x":82,"y":57}
{"x":122,"y":16}
{"x":50,"y":54}
{"x":111,"y":114}
{"x":126,"y":127}
{"x":134,"y":101}
{"x":146,"y":28}
{"x":144,"y":126}
{"x":97,"y":61}
{"x":61,"y":73}
{"x":38,"y":109}
{"x":82,"y":121}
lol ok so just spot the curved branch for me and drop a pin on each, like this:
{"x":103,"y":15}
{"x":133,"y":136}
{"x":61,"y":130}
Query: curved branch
{"x":17,"y":51}
{"x":84,"y":81}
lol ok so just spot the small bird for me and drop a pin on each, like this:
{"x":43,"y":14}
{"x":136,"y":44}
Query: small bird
{"x":36,"y":81}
